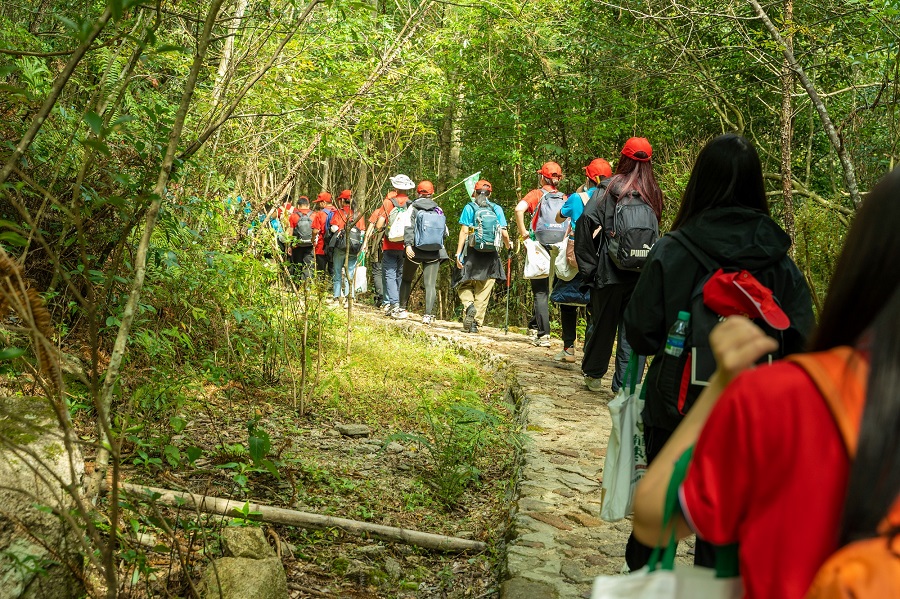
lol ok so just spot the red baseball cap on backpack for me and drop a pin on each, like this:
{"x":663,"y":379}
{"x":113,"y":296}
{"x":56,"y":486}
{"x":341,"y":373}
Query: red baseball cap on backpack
{"x":598,"y":169}
{"x":730,"y":293}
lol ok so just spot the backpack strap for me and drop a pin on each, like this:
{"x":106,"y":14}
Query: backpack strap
{"x":702,"y":257}
{"x":840,"y":374}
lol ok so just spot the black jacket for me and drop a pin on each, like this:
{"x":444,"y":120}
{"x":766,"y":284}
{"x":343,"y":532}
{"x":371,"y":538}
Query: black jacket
{"x":594,"y":264}
{"x":736,"y":237}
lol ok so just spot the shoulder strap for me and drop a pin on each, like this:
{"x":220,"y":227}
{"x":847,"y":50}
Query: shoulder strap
{"x":702,"y":257}
{"x":841,"y":375}
{"x":585,"y":196}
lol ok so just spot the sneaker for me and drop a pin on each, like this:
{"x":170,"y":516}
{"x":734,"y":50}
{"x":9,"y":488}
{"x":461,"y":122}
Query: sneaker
{"x":533,"y":333}
{"x":428,"y":319}
{"x":566,"y":355}
{"x":400,"y":314}
{"x":473,"y":328}
{"x":593,"y":384}
{"x":386,"y":309}
{"x":469,"y":318}
{"x":541,"y":341}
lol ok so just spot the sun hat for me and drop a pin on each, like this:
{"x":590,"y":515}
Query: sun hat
{"x":638,"y":145}
{"x":730,"y":293}
{"x":402,"y":182}
{"x":598,"y":169}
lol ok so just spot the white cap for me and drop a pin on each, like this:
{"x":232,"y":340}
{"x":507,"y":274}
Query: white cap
{"x":402,"y":182}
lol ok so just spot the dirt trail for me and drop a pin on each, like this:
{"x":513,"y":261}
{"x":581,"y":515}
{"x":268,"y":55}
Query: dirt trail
{"x":558,"y":542}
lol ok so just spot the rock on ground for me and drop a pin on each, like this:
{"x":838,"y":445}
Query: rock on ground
{"x":246,"y":541}
{"x":244,"y":578}
{"x":354,"y":430}
{"x":38,"y":552}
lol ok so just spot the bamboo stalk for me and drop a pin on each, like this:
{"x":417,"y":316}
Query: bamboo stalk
{"x":275,"y":515}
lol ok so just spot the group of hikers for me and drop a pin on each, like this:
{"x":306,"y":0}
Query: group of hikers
{"x":789,"y":459}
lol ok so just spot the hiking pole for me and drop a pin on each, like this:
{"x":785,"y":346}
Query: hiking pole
{"x":508,"y":281}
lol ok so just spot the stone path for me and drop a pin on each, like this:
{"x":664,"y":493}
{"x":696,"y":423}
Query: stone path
{"x":558,"y":543}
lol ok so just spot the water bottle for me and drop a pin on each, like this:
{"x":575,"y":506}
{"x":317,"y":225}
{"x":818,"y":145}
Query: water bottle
{"x":677,"y":334}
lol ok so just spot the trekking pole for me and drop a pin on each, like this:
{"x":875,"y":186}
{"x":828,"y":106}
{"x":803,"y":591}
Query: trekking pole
{"x":508,"y":282}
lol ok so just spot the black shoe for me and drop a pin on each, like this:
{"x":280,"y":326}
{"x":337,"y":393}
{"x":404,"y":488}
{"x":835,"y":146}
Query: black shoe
{"x":473,"y":328}
{"x":469,"y":318}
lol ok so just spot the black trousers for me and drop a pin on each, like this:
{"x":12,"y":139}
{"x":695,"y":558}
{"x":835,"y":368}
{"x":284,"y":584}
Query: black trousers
{"x":568,"y":316}
{"x":607,"y":312}
{"x":303,"y":262}
{"x":636,"y":553}
{"x":541,"y":318}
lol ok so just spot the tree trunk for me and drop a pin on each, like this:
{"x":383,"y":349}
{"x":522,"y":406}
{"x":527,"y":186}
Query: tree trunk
{"x":227,"y":51}
{"x":787,"y":126}
{"x":837,"y":144}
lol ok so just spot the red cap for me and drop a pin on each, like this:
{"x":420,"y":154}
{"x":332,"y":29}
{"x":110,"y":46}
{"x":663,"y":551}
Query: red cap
{"x":730,"y":293}
{"x":482,"y":183}
{"x":323,"y":197}
{"x":638,"y":145}
{"x":598,"y":169}
{"x":551,"y":170}
{"x":425,"y":188}
{"x":345,"y":195}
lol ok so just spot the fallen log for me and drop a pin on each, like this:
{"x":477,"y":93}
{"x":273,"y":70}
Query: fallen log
{"x":276,"y":515}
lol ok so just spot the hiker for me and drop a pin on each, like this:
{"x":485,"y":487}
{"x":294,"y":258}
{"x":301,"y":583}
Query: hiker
{"x":424,"y":242}
{"x":303,"y":237}
{"x":725,"y":215}
{"x":544,"y":204}
{"x":393,"y":221}
{"x":372,"y":250}
{"x":611,"y":287}
{"x":569,"y":295}
{"x":483,"y":231}
{"x":347,"y":229}
{"x":798,"y":459}
{"x":324,"y":210}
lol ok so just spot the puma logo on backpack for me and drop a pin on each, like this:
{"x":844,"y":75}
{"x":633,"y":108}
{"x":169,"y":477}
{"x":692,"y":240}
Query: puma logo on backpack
{"x":635,"y":231}
{"x":546,"y":230}
{"x":303,"y":232}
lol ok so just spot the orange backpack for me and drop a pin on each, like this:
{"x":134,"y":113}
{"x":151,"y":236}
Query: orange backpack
{"x":870,"y":567}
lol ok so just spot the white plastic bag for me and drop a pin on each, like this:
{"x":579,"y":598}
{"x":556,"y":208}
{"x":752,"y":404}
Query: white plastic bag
{"x":681,"y":582}
{"x":661,"y":578}
{"x":360,"y":281}
{"x":626,"y":459}
{"x":537,"y":261}
{"x":562,"y":269}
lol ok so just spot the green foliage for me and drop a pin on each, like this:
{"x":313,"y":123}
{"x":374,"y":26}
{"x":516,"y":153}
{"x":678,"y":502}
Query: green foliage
{"x":455,"y":438}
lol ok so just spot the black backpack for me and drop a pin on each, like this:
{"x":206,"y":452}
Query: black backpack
{"x":681,"y":379}
{"x":635,"y":231}
{"x":303,"y":232}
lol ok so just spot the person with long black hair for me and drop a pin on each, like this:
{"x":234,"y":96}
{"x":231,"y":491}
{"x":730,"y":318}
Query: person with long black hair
{"x":724,"y":214}
{"x":611,"y":287}
{"x":770,"y":469}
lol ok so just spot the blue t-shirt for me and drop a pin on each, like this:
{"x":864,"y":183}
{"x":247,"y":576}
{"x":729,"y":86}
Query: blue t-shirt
{"x":574,"y":206}
{"x":467,"y":217}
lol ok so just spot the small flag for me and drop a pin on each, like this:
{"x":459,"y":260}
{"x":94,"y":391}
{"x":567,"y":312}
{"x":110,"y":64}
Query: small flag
{"x":470,"y":182}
